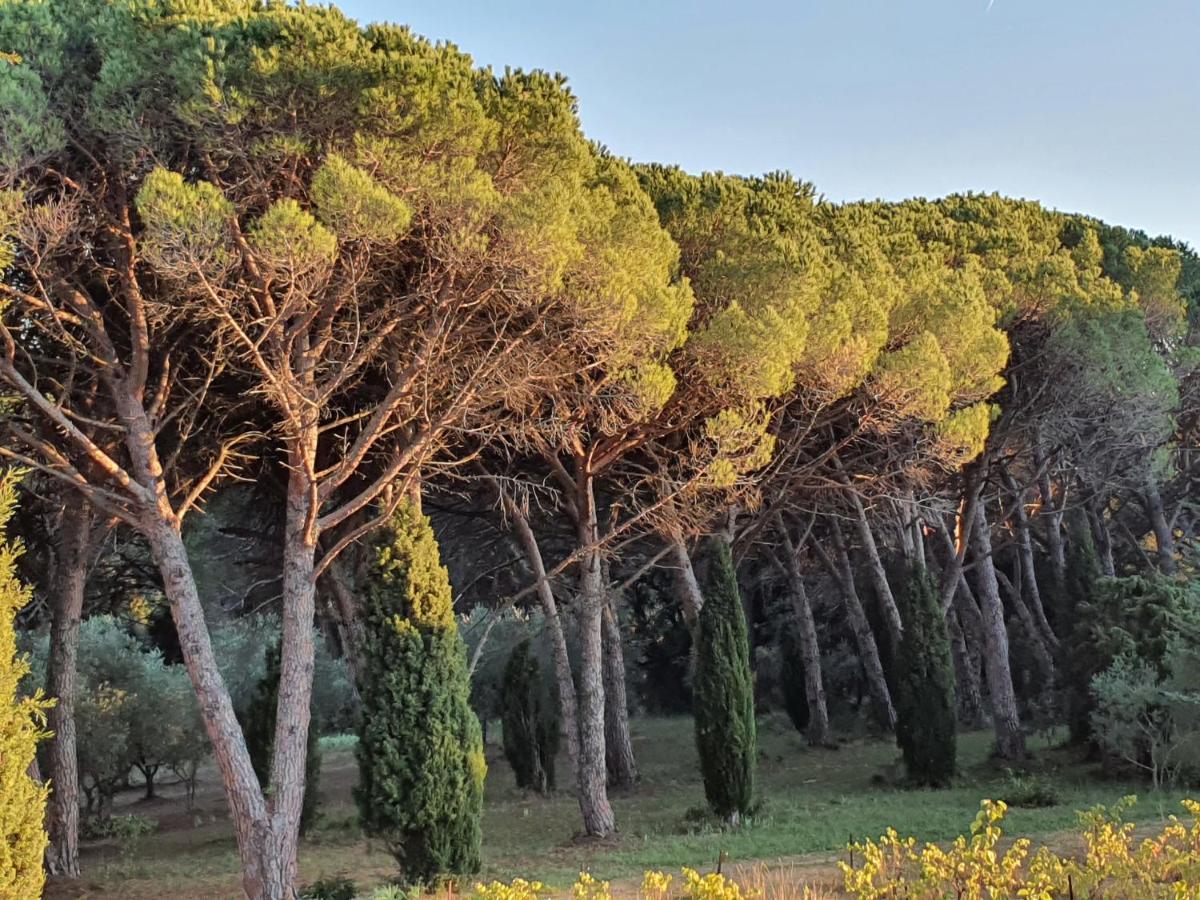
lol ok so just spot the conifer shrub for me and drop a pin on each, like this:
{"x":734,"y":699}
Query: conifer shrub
{"x":420,"y":752}
{"x":531,"y":726}
{"x":924,"y":685}
{"x":22,"y":799}
{"x":791,"y":675}
{"x":723,"y":695}
{"x":258,"y":726}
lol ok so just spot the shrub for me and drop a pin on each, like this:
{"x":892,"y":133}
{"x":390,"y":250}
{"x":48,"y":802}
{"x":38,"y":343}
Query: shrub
{"x":924,"y":685}
{"x":420,"y":752}
{"x":1030,"y":791}
{"x":22,"y":799}
{"x":119,"y":827}
{"x":258,"y":726}
{"x":337,"y":887}
{"x":531,"y":728}
{"x":791,"y":675}
{"x":723,"y":695}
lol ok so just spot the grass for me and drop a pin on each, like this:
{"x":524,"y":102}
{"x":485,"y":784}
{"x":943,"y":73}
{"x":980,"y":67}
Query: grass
{"x":814,"y":802}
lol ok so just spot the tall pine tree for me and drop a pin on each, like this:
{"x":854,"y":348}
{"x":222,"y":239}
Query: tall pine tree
{"x":420,"y":752}
{"x":924,"y":685}
{"x":22,"y":799}
{"x":723,"y":695}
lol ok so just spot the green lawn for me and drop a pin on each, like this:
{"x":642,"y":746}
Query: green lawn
{"x":813,"y":801}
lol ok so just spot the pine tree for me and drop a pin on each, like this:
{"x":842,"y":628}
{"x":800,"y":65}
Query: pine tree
{"x":791,"y":675}
{"x":22,"y":799}
{"x":530,"y":725}
{"x":723,"y":695}
{"x":259,"y":729}
{"x":420,"y":753}
{"x":924,"y":685}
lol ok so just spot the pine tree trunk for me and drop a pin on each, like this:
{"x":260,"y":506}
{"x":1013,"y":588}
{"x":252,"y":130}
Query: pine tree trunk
{"x":1103,"y":538}
{"x":860,"y":626}
{"x":297,"y":653}
{"x":246,"y":803}
{"x":349,"y":626}
{"x":1164,"y":538}
{"x":598,"y":820}
{"x":1032,"y":591}
{"x":1033,"y":638}
{"x":887,"y":601}
{"x":819,"y":733}
{"x":966,"y":675}
{"x":1053,"y":517}
{"x":618,"y":743}
{"x":564,"y":678}
{"x":62,"y":853}
{"x":1010,"y":739}
{"x":687,"y":586}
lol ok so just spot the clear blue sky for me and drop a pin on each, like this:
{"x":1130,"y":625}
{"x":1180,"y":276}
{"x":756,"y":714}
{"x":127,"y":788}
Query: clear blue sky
{"x":1086,"y":105}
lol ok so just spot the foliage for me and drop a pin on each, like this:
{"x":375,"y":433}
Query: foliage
{"x":118,"y":827}
{"x":723,"y":695}
{"x":336,"y":887}
{"x":1165,"y":865}
{"x":22,"y":721}
{"x":258,"y":725}
{"x":924,"y":685}
{"x":420,"y":753}
{"x":791,"y":675}
{"x":531,"y":727}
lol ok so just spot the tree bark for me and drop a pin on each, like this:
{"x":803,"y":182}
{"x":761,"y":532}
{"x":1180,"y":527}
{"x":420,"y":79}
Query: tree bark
{"x":349,"y":625}
{"x":598,"y":819}
{"x":887,"y":602}
{"x":864,"y":637}
{"x":618,"y":742}
{"x":1010,"y":738}
{"x":62,"y":853}
{"x":1103,"y":538}
{"x":564,"y":678}
{"x":687,"y":586}
{"x":819,"y":732}
{"x":966,"y":675}
{"x":1032,"y":591}
{"x":1164,"y":538}
{"x":1052,"y":514}
{"x":1037,"y":645}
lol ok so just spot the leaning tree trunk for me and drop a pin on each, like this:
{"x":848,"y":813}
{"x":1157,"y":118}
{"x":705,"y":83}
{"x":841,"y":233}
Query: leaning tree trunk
{"x":598,"y":819}
{"x":860,"y":626}
{"x":62,"y":853}
{"x":1052,"y":514}
{"x":1164,"y":537}
{"x":347,"y":621}
{"x":1010,"y":739}
{"x":966,"y":675}
{"x":1103,"y":537}
{"x":618,"y":743}
{"x":687,"y":586}
{"x":1031,"y":589}
{"x":564,"y":678}
{"x":1037,"y":644}
{"x":819,"y":733}
{"x":887,"y":601}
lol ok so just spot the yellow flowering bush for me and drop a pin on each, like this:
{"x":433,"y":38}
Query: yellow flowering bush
{"x":973,"y":868}
{"x":518,"y":889}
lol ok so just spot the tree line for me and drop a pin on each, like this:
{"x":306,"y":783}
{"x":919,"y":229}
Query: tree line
{"x":249,"y":242}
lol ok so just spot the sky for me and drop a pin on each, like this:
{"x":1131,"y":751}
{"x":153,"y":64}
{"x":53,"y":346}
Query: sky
{"x":1086,"y":105}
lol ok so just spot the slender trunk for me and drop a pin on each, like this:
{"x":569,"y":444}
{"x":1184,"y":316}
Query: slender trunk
{"x":618,"y":743}
{"x":62,"y":854}
{"x":598,"y":818}
{"x":966,"y":675}
{"x":687,"y":587}
{"x":887,"y":602}
{"x":569,"y":717}
{"x":1103,"y":537}
{"x":1031,"y":590}
{"x":818,"y":732}
{"x":1052,"y":514}
{"x":348,"y":622}
{"x":246,"y":803}
{"x":1164,"y":537}
{"x":1037,"y":645}
{"x":297,"y":651}
{"x":1010,"y":739}
{"x":864,"y":637}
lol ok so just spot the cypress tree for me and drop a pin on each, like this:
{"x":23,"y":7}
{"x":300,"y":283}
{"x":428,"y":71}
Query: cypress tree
{"x":258,"y":725}
{"x":924,"y":692}
{"x":22,"y":799}
{"x":723,"y":694}
{"x":1076,"y":604}
{"x":530,"y":726}
{"x":420,"y":751}
{"x":791,"y":675}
